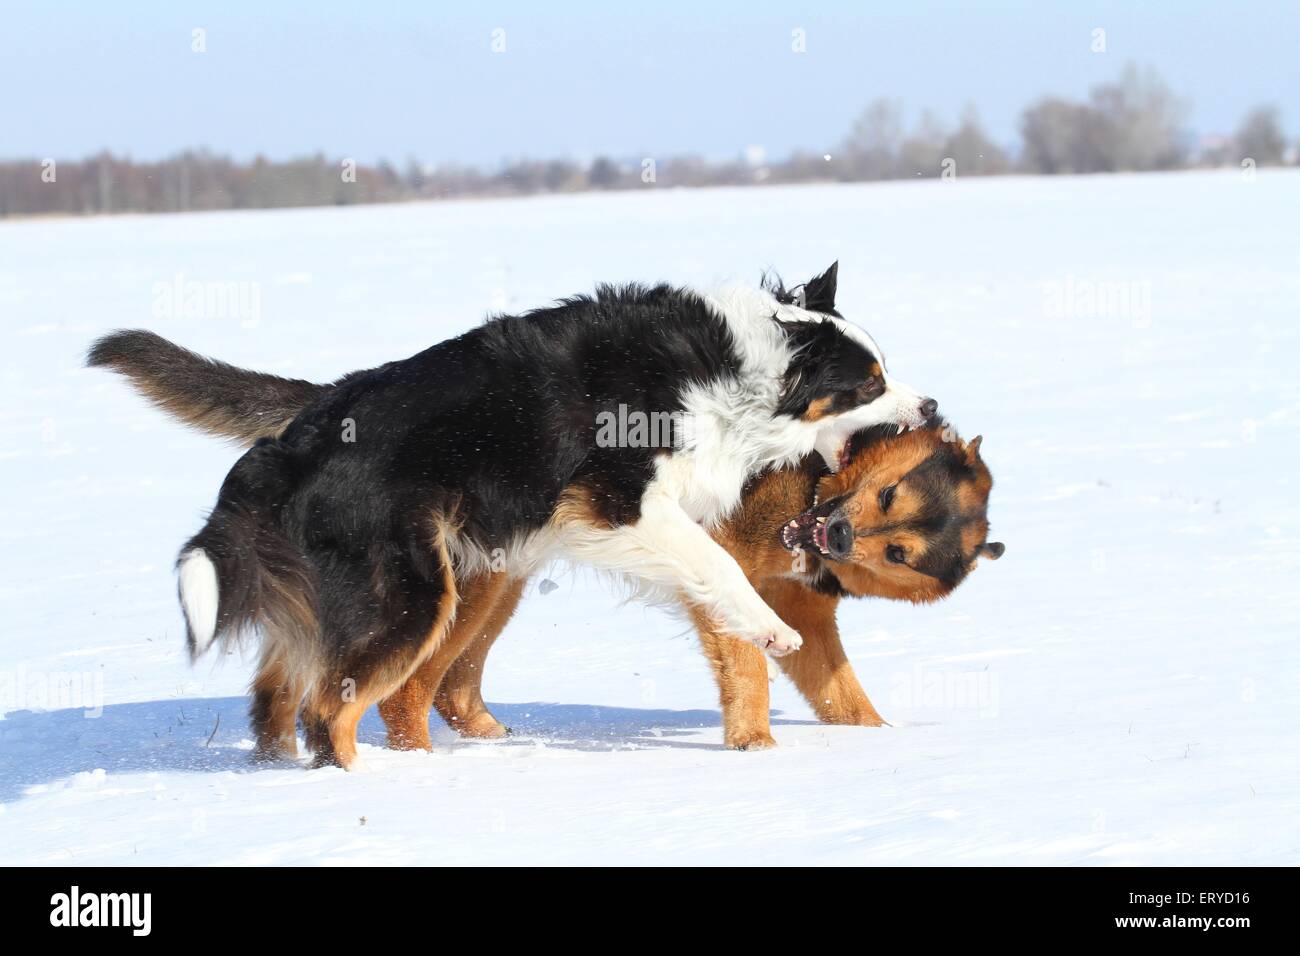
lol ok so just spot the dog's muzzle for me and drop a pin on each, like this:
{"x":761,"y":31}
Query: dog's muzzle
{"x":822,"y":529}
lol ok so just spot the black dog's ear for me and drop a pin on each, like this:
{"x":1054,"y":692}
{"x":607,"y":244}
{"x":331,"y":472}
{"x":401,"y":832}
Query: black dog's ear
{"x":819,"y":293}
{"x":993,"y":550}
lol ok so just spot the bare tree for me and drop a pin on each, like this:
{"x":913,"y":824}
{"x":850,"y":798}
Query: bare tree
{"x":1058,"y":137}
{"x":1138,"y":122}
{"x":974,"y":153}
{"x":923,"y":150}
{"x":1260,"y":137}
{"x":604,"y":174}
{"x":1132,"y":124}
{"x":871,"y":149}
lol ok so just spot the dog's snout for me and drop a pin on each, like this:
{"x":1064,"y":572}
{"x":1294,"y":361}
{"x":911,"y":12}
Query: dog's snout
{"x":839,"y":537}
{"x":929,"y":408}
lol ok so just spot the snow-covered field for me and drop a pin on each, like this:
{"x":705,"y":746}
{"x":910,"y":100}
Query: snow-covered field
{"x":1120,"y":688}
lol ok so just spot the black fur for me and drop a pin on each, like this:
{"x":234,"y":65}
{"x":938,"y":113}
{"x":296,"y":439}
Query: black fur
{"x":830,"y":365}
{"x":823,"y":580}
{"x":819,"y":293}
{"x":495,"y":424}
{"x":942,"y":519}
{"x":815,"y":295}
{"x":264,"y":579}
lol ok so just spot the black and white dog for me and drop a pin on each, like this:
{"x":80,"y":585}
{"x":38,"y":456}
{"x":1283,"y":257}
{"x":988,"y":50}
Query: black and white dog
{"x":341,"y":536}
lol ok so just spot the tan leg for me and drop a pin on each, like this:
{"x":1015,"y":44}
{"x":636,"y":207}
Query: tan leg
{"x":274,"y":712}
{"x":486,"y":602}
{"x":821,"y":670}
{"x":405,"y":717}
{"x":343,"y":733}
{"x":459,"y":697}
{"x":741,"y":672}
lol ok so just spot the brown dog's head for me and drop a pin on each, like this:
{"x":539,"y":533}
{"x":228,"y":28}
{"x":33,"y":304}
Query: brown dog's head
{"x":905,"y":519}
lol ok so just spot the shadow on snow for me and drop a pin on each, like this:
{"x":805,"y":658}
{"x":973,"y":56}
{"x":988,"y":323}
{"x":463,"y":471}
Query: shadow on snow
{"x":208,"y":735}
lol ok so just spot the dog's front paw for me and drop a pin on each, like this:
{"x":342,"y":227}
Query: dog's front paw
{"x":779,"y":641}
{"x":750,"y":740}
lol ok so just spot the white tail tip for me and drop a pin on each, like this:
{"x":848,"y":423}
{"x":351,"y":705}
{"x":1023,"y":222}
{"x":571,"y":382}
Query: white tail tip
{"x":199,"y":593}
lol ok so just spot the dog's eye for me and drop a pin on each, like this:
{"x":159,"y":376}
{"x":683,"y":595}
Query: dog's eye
{"x":887,"y":497}
{"x":871,"y":389}
{"x":895,"y":554}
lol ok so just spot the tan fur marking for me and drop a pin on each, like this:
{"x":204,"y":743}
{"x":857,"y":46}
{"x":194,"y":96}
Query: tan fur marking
{"x":576,"y":506}
{"x":878,"y":467}
{"x":897,"y":582}
{"x":818,"y":409}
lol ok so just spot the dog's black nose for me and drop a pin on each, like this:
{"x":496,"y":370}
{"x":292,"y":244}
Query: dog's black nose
{"x":929,"y":408}
{"x":839,"y":538}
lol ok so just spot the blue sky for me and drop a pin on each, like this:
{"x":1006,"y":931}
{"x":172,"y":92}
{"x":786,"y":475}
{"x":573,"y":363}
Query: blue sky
{"x":402,"y":80}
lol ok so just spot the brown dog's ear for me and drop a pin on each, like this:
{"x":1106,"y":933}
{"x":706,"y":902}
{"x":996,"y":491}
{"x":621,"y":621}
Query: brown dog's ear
{"x":973,"y":449}
{"x":992,"y":550}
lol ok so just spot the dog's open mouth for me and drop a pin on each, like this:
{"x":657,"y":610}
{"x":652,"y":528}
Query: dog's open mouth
{"x":807,"y":531}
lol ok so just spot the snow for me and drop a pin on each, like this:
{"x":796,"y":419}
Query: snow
{"x":1119,"y":689}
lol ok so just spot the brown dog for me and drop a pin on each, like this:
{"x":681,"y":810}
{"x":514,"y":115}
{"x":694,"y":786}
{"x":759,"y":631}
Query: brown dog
{"x":906,"y":519}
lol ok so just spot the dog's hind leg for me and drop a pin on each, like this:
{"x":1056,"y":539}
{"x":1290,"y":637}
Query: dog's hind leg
{"x":414,"y":618}
{"x":316,"y":735}
{"x":332,"y":712}
{"x":273,"y":712}
{"x":343,"y":732}
{"x":486,"y":603}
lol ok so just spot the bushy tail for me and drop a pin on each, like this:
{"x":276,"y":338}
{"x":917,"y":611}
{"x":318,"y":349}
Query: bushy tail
{"x":218,"y":398}
{"x":241,"y":572}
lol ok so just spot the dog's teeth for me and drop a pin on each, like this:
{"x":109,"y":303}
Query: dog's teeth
{"x":900,"y":429}
{"x":821,"y":520}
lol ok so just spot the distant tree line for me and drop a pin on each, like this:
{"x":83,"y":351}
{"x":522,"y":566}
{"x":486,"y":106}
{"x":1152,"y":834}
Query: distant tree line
{"x":1134,"y":123}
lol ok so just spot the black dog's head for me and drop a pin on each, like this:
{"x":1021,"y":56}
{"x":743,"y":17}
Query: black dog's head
{"x":836,"y":378}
